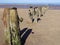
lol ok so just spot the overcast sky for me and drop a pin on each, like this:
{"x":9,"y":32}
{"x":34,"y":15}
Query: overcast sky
{"x":30,"y":2}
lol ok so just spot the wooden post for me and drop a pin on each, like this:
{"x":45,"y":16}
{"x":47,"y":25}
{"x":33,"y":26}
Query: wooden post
{"x":31,"y":11}
{"x":14,"y":27}
{"x":6,"y":26}
{"x":12,"y":30}
{"x":41,"y":11}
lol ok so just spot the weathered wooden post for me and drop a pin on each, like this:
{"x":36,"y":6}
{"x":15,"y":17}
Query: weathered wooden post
{"x":36,"y":14}
{"x":12,"y":33}
{"x":14,"y":27}
{"x":6,"y":25}
{"x":45,"y":8}
{"x":31,"y":11}
{"x":40,"y":8}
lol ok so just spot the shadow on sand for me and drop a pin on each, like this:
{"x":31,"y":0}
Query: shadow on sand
{"x":24,"y":33}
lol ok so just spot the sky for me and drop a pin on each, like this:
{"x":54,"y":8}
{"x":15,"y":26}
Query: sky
{"x":30,"y":2}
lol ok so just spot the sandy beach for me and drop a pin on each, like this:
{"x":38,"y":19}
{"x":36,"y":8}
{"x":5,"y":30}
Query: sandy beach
{"x":45,"y":32}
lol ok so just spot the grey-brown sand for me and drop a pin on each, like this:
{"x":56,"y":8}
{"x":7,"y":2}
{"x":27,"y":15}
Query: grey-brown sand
{"x":46,"y":31}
